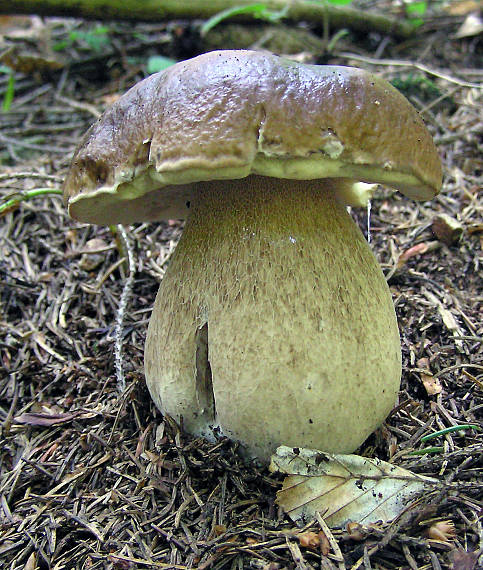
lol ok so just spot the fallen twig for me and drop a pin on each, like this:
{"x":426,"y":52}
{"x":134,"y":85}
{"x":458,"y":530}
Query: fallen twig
{"x":297,"y":10}
{"x":413,"y":64}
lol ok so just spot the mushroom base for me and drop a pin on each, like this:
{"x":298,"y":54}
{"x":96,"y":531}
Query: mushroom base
{"x":274,"y":323}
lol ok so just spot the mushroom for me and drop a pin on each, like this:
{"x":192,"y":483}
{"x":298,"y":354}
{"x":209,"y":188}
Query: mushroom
{"x":273,"y":323}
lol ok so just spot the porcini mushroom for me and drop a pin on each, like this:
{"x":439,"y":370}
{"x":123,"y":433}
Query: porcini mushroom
{"x":273,"y":323}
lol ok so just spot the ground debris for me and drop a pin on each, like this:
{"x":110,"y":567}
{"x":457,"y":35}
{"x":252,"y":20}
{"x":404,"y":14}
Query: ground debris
{"x":91,"y":478}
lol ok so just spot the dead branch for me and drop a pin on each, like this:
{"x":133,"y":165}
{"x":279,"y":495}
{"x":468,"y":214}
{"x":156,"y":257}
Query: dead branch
{"x":297,"y":10}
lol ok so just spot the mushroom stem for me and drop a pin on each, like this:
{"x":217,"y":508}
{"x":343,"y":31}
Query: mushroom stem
{"x":302,"y":340}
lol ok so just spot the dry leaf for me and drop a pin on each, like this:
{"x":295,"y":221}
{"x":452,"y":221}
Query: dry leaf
{"x":344,"y":488}
{"x":31,"y":563}
{"x":472,"y":26}
{"x":356,"y":531}
{"x":416,"y":250}
{"x":314,"y":541}
{"x":431,"y":384}
{"x":93,"y":254}
{"x":447,"y":229}
{"x":443,"y":531}
{"x":464,"y":560}
{"x":30,"y":63}
{"x":462,"y":7}
{"x":219,"y":529}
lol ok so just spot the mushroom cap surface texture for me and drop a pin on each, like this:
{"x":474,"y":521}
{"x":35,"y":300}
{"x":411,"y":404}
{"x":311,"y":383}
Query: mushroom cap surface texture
{"x":229,"y":114}
{"x":273,"y":323}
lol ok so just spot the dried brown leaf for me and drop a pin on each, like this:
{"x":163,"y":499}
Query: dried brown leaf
{"x":472,"y":26}
{"x":431,"y":384}
{"x":447,"y":229}
{"x":31,"y":563}
{"x":315,"y":541}
{"x":415,"y":251}
{"x":443,"y":531}
{"x":462,"y":7}
{"x":464,"y":560}
{"x":345,"y":488}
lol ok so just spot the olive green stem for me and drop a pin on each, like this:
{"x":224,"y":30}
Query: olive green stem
{"x":12,"y":203}
{"x":427,"y":450}
{"x":449,"y":430}
{"x":273,"y":323}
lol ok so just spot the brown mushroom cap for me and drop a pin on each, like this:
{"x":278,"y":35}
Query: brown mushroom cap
{"x":229,"y":114}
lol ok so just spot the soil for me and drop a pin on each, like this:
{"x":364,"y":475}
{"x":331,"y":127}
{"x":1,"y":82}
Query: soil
{"x":91,"y":474}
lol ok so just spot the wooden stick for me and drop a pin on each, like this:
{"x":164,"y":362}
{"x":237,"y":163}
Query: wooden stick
{"x":159,"y":10}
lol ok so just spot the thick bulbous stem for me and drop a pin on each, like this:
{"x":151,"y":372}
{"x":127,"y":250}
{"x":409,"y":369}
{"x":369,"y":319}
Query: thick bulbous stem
{"x":274,"y":322}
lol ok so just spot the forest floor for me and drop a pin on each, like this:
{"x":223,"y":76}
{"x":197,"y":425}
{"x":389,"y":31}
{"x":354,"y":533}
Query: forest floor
{"x":94,"y":478}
